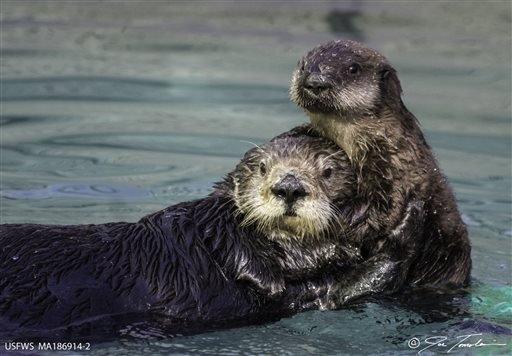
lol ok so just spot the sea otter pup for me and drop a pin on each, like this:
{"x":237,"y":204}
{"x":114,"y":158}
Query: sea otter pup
{"x":273,"y":223}
{"x":353,"y":96}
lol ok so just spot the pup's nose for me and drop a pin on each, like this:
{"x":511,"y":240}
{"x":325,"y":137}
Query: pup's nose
{"x":289,"y":189}
{"x":316,"y":83}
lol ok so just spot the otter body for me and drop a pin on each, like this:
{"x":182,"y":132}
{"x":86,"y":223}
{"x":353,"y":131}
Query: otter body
{"x":245,"y":251}
{"x":353,"y":96}
{"x":182,"y":262}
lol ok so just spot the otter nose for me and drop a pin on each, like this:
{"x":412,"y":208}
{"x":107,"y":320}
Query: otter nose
{"x":289,"y":189}
{"x":316,"y":83}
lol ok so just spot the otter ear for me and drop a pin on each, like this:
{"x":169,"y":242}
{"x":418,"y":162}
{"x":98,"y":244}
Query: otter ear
{"x":391,"y":81}
{"x":391,"y":85}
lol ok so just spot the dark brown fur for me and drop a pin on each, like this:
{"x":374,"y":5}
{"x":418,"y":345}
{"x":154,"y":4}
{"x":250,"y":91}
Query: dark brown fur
{"x":353,"y":97}
{"x":193,"y":262}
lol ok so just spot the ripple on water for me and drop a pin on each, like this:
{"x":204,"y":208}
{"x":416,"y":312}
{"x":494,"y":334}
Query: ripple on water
{"x":121,"y":89}
{"x":208,"y":145}
{"x":471,"y":143}
{"x":102,"y":191}
{"x":98,"y":171}
{"x":50,"y":160}
{"x":493,"y":302}
{"x":127,"y":154}
{"x":365,"y":329}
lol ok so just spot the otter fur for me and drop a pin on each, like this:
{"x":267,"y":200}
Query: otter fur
{"x":352,"y":95}
{"x":247,"y":250}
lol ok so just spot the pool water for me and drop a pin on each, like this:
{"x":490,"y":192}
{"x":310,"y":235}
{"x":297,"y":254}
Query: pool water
{"x":113,"y":110}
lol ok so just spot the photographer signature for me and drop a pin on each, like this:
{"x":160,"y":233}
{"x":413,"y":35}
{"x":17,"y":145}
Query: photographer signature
{"x":462,"y":342}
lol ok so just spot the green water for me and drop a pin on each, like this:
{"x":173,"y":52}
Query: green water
{"x":112,"y":110}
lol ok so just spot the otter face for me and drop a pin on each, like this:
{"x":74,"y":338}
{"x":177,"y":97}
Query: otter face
{"x":341,"y":77}
{"x":293,"y":188}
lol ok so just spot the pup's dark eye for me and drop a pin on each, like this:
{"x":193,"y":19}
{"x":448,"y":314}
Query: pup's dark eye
{"x":263,"y":168}
{"x":354,"y":69}
{"x":327,"y":172}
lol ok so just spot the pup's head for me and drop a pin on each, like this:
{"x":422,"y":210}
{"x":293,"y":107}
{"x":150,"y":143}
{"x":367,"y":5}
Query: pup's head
{"x":344,"y":78}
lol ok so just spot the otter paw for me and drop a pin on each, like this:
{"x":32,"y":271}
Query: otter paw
{"x":412,"y":224}
{"x":271,"y":286}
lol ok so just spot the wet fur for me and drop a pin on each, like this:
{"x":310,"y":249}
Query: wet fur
{"x":319,"y":214}
{"x":394,"y":164}
{"x":192,"y":262}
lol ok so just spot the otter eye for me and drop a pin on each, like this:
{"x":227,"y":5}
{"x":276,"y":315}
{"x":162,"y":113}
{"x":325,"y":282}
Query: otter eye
{"x":354,"y":69}
{"x":263,"y":168}
{"x":327,"y":173}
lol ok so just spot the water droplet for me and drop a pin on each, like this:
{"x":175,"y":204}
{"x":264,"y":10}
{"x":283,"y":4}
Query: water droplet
{"x":15,"y":258}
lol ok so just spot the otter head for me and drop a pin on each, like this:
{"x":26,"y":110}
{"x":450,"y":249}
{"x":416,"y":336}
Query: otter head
{"x":344,"y":86}
{"x":344,"y":78}
{"x":293,"y":188}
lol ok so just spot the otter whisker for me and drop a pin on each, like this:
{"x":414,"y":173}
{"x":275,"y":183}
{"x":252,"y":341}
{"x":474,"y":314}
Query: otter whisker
{"x":331,"y":155}
{"x":344,"y":229}
{"x":252,"y":143}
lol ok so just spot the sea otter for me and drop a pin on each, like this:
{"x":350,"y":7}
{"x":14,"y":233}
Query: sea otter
{"x":270,"y":239}
{"x":353,"y":96}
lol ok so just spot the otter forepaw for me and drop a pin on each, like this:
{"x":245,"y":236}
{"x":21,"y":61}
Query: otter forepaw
{"x":271,"y":286}
{"x":375,"y":276}
{"x":412,"y":224}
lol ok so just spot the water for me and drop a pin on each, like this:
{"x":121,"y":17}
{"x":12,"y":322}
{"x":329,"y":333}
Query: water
{"x":114,"y":110}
